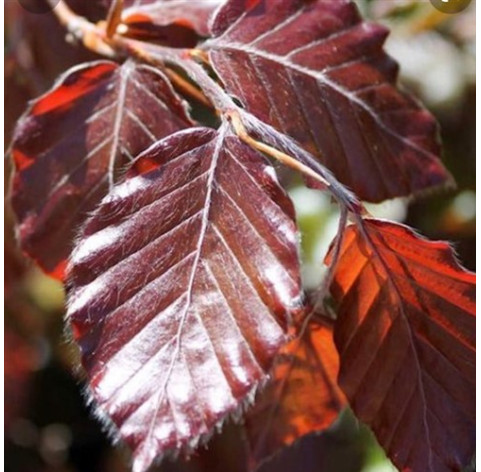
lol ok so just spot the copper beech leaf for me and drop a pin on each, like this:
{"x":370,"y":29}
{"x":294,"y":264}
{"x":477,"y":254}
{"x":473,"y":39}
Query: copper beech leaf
{"x":181,"y":289}
{"x":406,"y":339}
{"x":302,"y":396}
{"x":154,"y":13}
{"x":73,"y":143}
{"x":317,"y":72}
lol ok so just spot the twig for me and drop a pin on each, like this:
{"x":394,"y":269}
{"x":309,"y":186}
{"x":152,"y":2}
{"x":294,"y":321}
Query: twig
{"x":187,"y":88}
{"x":103,"y":39}
{"x":273,"y":152}
{"x":114,"y":17}
{"x":199,"y":54}
{"x":92,"y":36}
{"x":63,"y":12}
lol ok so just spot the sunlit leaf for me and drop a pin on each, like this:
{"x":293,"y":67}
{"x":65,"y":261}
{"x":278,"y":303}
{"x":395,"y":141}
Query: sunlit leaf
{"x":181,"y":289}
{"x":406,"y":339}
{"x":318,"y":73}
{"x":302,"y":396}
{"x":73,"y":143}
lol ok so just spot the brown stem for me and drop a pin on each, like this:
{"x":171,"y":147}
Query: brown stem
{"x":215,"y":94}
{"x":273,"y":152}
{"x":136,"y":49}
{"x":186,"y":87}
{"x":103,"y":40}
{"x":199,"y":54}
{"x":63,"y":12}
{"x":92,"y":36}
{"x":114,"y":17}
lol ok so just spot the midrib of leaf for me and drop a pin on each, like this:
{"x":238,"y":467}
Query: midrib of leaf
{"x":205,"y":222}
{"x":125,"y":71}
{"x":412,"y":341}
{"x":319,"y":76}
{"x":274,"y":30}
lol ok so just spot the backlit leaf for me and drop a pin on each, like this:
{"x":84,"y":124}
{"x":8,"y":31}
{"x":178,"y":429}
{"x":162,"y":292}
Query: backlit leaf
{"x":406,"y":338}
{"x":302,"y":397}
{"x":315,"y":71}
{"x":182,"y":288}
{"x":73,"y":143}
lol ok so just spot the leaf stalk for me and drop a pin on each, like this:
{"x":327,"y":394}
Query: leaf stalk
{"x":282,"y":157}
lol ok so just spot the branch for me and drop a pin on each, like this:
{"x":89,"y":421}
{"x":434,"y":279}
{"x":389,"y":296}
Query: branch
{"x":92,"y":36}
{"x":103,"y":39}
{"x":114,"y":17}
{"x":216,"y":95}
{"x":187,"y":88}
{"x":63,"y":12}
{"x":303,"y":162}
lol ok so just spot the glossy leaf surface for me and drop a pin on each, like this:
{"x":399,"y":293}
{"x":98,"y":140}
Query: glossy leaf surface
{"x":302,"y":396}
{"x":73,"y":143}
{"x":318,"y":73}
{"x":182,"y":289}
{"x":406,"y":339}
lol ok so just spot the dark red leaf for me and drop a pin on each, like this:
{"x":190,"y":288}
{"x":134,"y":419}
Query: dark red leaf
{"x":406,"y":339}
{"x":36,"y":43}
{"x":175,"y":36}
{"x":176,"y":23}
{"x":318,"y":73}
{"x":303,"y":396}
{"x":182,"y":288}
{"x":73,"y":143}
{"x":194,"y":15}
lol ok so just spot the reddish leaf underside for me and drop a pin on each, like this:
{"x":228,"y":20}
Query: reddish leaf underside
{"x":181,"y":289}
{"x":406,"y":338}
{"x":302,"y":396}
{"x":73,"y":143}
{"x":318,"y":73}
